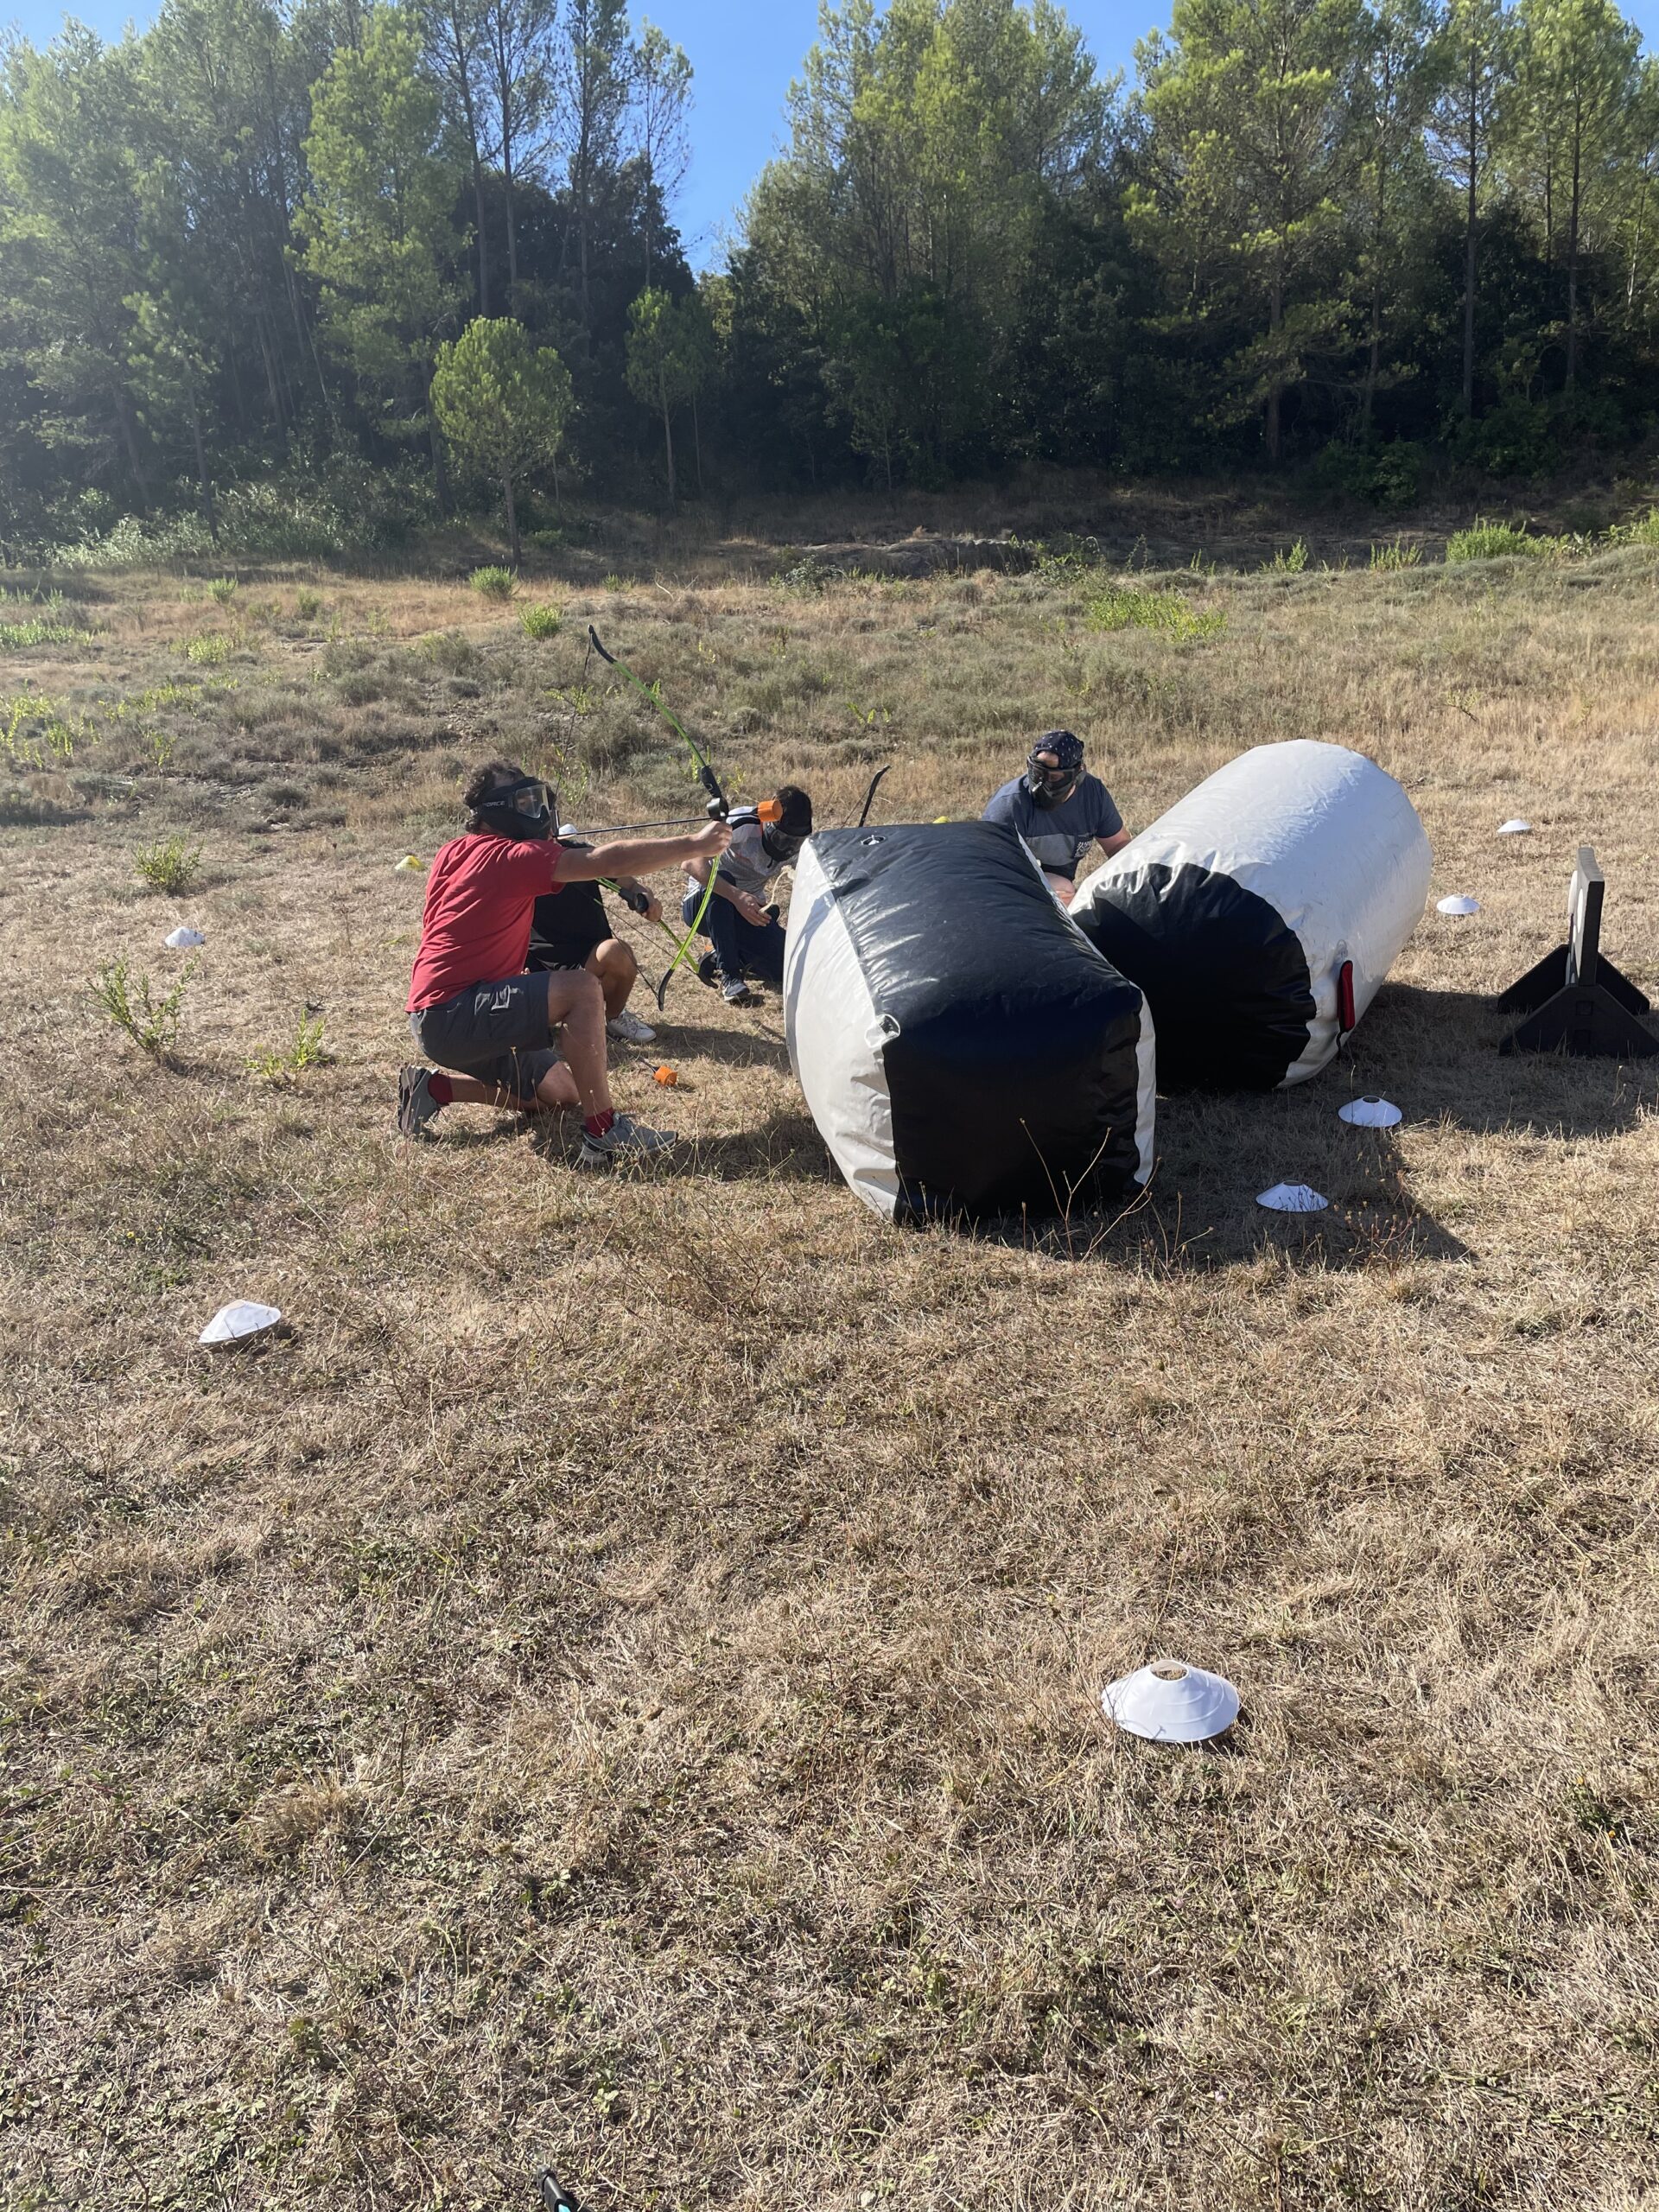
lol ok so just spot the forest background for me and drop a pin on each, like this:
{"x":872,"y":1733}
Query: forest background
{"x":1364,"y":242}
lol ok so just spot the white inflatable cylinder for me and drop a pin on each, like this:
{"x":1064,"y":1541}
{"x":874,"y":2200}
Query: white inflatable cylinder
{"x":965,"y":1053}
{"x":1263,"y":911}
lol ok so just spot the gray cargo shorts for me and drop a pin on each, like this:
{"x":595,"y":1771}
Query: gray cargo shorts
{"x":495,"y":1032}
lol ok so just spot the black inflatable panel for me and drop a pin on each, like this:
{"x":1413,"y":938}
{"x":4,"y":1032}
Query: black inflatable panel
{"x":1011,"y":1046}
{"x":1224,"y":974}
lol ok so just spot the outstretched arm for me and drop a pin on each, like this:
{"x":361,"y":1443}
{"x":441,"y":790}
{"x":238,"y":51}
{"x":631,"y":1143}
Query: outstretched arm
{"x":638,"y":855}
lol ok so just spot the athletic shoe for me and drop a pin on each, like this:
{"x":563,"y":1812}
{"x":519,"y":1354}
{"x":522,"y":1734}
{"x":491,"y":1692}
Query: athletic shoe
{"x":708,"y":970}
{"x":624,"y":1140}
{"x":416,"y":1106}
{"x":736,"y":992}
{"x":628,"y":1029}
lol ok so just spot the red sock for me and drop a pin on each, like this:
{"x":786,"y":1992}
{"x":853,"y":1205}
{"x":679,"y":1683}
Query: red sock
{"x":599,"y":1125}
{"x":443,"y":1090}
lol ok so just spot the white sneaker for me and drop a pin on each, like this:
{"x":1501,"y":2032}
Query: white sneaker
{"x":628,"y":1029}
{"x":624,"y":1140}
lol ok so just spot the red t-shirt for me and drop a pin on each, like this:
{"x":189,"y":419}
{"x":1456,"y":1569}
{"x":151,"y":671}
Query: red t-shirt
{"x":480,"y":897}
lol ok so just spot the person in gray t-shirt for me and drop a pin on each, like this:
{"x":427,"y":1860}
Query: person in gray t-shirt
{"x":1059,"y":811}
{"x":742,"y":929}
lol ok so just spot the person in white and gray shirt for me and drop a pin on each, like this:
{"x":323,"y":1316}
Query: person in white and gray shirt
{"x":744,"y":931}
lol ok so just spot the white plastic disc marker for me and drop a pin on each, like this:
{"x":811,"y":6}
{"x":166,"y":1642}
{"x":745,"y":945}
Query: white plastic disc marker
{"x":242,"y":1317}
{"x":1458,"y":903}
{"x":182,"y":940}
{"x":1169,"y":1703}
{"x":1370,"y":1114}
{"x":1291,"y":1198}
{"x":1515,"y":829}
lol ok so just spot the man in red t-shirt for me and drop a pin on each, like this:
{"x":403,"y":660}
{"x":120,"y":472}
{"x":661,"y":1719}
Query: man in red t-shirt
{"x":473,"y":1009}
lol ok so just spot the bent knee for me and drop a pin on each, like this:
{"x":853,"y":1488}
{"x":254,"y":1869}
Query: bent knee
{"x":572,"y":991}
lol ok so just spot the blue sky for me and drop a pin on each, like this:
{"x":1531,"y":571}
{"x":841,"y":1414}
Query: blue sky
{"x":744,"y":56}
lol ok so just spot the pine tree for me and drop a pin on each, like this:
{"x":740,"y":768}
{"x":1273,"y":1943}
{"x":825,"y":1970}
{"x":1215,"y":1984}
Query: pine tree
{"x":503,"y":404}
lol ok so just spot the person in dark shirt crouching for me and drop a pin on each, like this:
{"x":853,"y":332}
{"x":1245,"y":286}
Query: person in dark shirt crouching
{"x":570,"y":928}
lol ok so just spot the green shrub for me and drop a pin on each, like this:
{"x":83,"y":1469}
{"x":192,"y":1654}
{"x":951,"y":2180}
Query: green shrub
{"x":494,"y":583}
{"x":303,"y":515}
{"x":1496,"y":541}
{"x":208,"y":652}
{"x":173,"y":866}
{"x":307,"y":1051}
{"x":1122,"y":606}
{"x":308,"y":605}
{"x":540,"y":621}
{"x":1291,"y":563}
{"x":1064,"y":559}
{"x":1397,"y":556}
{"x":449,"y":650}
{"x":807,"y":575}
{"x":15,"y":636}
{"x":1518,"y":437}
{"x":1644,"y":531}
{"x":130,"y":1003}
{"x":222,"y":590}
{"x":1382,"y":475}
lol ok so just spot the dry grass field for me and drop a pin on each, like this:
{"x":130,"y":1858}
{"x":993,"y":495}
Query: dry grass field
{"x":616,"y":1685}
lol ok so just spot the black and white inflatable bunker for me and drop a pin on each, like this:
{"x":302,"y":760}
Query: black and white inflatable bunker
{"x":1261,"y":913}
{"x":964,"y":1051}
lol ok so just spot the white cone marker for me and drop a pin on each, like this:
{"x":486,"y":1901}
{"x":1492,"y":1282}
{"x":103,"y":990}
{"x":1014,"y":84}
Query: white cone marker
{"x":1515,"y":829}
{"x":242,"y":1317}
{"x":182,"y":940}
{"x":1169,"y":1703}
{"x":1370,"y":1114}
{"x":1458,"y":903}
{"x":411,"y":863}
{"x":1291,"y":1198}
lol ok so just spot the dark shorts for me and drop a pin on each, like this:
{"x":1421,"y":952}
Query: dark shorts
{"x":496,"y":1033}
{"x":567,"y":927}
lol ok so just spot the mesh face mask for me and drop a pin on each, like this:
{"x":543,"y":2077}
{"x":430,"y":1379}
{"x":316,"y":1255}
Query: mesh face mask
{"x":1053,"y":786}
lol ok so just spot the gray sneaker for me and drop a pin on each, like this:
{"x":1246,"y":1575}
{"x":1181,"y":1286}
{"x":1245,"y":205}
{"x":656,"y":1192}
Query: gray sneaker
{"x":417,"y":1107}
{"x":624,"y":1140}
{"x":736,"y":992}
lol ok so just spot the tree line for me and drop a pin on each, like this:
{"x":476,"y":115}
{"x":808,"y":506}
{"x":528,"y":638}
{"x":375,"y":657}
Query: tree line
{"x":260,"y":246}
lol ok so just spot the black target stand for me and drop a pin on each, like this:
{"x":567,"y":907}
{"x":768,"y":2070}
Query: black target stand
{"x":1575,"y":999}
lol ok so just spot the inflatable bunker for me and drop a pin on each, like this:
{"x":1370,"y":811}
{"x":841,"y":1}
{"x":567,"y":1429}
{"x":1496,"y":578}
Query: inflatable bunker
{"x":1263,"y":911}
{"x":964,"y":1051}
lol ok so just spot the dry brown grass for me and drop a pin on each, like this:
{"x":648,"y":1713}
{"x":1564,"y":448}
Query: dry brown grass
{"x":616,"y":1685}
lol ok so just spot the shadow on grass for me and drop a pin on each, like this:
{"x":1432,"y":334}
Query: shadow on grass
{"x":760,"y":1047}
{"x":1435,"y":1054}
{"x":785,"y":1149}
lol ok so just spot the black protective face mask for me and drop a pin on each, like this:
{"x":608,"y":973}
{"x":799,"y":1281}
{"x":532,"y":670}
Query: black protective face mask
{"x":1050,"y":787}
{"x":525,"y":810}
{"x":781,"y":845}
